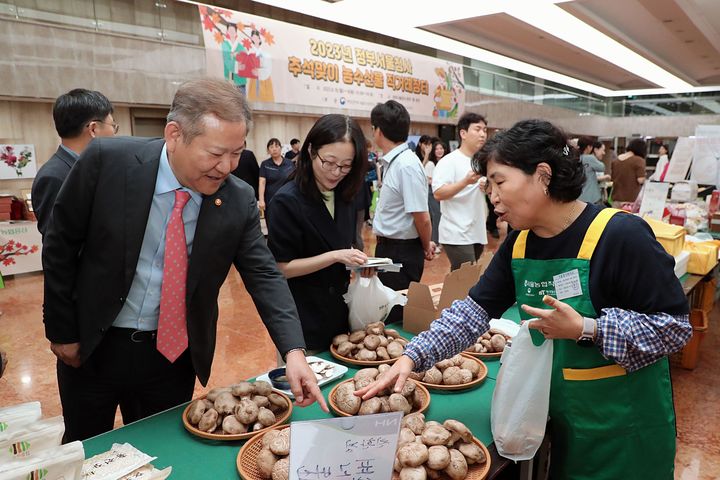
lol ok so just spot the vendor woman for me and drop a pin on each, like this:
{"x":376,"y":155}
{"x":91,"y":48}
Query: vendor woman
{"x":615,"y":318}
{"x":311,"y":226}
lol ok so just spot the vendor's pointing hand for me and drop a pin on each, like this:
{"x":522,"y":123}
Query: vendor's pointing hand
{"x":303,"y":382}
{"x":400,"y":371}
{"x":560,"y":321}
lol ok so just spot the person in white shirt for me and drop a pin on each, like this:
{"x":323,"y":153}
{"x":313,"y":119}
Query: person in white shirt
{"x":438,"y":151}
{"x":462,"y":201}
{"x":402,"y":222}
{"x":662,"y":165}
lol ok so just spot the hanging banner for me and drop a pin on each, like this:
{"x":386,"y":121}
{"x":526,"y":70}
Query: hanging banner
{"x":278,"y":62}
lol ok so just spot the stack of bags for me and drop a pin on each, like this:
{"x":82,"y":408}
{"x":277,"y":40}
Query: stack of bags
{"x":30,"y":446}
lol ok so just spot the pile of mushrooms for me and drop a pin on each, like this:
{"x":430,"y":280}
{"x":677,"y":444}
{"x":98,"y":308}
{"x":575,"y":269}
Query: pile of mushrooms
{"x":386,"y":401}
{"x":457,"y":370}
{"x":272,"y":460}
{"x":492,"y":341}
{"x":240,"y":408}
{"x":431,"y":449}
{"x":373,"y":343}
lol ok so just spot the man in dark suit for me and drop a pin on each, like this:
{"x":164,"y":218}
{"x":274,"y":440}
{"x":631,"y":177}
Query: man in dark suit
{"x":143,"y":235}
{"x":248,"y":169}
{"x":80,"y":115}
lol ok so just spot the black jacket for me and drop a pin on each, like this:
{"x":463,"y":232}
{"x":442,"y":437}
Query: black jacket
{"x":299,"y":227}
{"x":47,"y":184}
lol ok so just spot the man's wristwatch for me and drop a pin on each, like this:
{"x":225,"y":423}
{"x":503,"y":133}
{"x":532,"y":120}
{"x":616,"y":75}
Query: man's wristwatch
{"x":293,"y":350}
{"x":587,"y":337}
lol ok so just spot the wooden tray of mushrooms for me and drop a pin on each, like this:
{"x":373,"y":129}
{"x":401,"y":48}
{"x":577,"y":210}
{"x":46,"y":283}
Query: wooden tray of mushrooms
{"x":457,"y":373}
{"x":266,"y":455}
{"x":375,"y":345}
{"x":413,"y":398}
{"x":237,"y":412}
{"x":490,"y":344}
{"x":436,"y":450}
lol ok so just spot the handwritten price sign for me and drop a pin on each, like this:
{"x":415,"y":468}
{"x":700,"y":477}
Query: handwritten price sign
{"x":351,"y":448}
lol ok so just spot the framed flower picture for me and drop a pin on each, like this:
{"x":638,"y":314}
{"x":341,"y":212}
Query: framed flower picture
{"x":17,"y":161}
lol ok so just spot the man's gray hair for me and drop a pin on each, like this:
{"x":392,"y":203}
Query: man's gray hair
{"x":207,"y":96}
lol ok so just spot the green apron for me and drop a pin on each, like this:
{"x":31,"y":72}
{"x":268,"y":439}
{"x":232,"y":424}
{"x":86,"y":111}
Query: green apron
{"x":605,"y":423}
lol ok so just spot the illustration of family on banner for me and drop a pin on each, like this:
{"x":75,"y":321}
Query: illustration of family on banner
{"x":279,"y":62}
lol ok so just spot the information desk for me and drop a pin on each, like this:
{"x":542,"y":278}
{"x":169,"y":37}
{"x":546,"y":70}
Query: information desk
{"x":164,"y":436}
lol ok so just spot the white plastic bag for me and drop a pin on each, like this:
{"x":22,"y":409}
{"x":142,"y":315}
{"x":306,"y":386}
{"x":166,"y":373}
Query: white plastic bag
{"x":522,"y":397}
{"x":370,"y":301}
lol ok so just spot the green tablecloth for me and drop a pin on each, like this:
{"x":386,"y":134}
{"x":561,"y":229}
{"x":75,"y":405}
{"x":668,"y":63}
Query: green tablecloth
{"x":164,"y":436}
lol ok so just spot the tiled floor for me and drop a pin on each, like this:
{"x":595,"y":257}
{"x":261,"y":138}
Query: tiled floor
{"x":244,"y":349}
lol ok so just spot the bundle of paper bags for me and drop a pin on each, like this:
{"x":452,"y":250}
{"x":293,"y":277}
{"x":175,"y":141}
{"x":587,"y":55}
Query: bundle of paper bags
{"x":31,"y":447}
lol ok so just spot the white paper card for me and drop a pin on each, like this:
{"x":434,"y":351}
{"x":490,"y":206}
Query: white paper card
{"x":567,"y":285}
{"x":653,"y":200}
{"x":119,"y":461}
{"x":681,"y":159}
{"x":351,"y":448}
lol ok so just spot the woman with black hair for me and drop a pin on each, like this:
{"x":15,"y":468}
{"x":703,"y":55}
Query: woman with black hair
{"x":273,"y":173}
{"x":628,"y":173}
{"x":603,"y":291}
{"x":423,"y":148}
{"x":438,"y":151}
{"x":311,"y":226}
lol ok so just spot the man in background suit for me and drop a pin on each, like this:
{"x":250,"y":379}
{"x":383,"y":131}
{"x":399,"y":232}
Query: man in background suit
{"x":143,"y":235}
{"x":248,"y":169}
{"x":80,"y":115}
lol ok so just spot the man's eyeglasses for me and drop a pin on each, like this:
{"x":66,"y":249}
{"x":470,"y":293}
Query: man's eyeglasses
{"x":114,"y":125}
{"x":332,"y":166}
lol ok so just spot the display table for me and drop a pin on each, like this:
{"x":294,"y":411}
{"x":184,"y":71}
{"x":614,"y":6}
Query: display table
{"x":163,"y":435}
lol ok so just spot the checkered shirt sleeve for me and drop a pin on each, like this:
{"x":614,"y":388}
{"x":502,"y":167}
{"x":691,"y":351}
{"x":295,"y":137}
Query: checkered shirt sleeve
{"x":458,"y":327}
{"x":635,"y":340}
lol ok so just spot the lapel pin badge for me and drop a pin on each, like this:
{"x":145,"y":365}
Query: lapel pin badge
{"x":218,"y":202}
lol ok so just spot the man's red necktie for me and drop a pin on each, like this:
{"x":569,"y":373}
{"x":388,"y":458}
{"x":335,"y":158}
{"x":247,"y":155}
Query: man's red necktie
{"x":172,"y":339}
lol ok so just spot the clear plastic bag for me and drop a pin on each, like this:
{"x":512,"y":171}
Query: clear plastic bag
{"x":370,"y":301}
{"x":522,"y":397}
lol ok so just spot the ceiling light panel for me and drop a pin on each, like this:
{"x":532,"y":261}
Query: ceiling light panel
{"x":561,"y":24}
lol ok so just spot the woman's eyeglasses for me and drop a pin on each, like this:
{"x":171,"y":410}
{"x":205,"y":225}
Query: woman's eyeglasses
{"x":332,"y":166}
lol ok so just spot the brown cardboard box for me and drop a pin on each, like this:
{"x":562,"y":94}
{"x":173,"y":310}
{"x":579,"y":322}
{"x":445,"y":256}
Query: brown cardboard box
{"x":421,"y":309}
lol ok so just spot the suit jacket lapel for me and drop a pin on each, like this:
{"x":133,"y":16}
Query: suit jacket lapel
{"x":140,"y":180}
{"x":333,"y":231}
{"x":211,"y":216}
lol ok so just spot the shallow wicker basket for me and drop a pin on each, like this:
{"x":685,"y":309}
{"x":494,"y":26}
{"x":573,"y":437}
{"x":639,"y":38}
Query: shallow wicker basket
{"x":364,"y":363}
{"x":241,"y":436}
{"x":247,"y":456}
{"x":483,"y":355}
{"x":475,"y":471}
{"x":338,"y":411}
{"x":463,"y":386}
